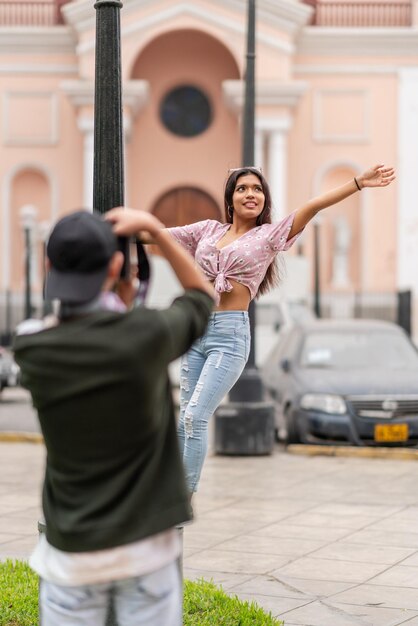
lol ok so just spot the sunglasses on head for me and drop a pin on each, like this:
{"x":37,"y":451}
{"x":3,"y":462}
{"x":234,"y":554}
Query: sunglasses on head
{"x":251,"y":168}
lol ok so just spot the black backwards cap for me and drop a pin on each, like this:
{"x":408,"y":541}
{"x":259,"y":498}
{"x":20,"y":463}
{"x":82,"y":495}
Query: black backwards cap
{"x":79,"y":248}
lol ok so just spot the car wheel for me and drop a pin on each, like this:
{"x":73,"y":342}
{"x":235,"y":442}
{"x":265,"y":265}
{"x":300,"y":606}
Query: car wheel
{"x":292,"y":434}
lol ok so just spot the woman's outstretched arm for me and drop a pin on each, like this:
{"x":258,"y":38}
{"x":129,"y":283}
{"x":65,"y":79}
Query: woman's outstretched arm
{"x":377,"y":176}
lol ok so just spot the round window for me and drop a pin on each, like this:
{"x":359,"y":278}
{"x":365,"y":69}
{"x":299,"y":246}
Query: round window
{"x":186,"y":111}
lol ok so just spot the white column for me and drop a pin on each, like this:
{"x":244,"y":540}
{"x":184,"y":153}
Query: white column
{"x":407,"y":222}
{"x":277,"y":165}
{"x":86,"y":125}
{"x":259,"y":148}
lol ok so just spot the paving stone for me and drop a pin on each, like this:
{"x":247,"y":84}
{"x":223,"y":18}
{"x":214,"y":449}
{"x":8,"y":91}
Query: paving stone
{"x":384,"y":538}
{"x":367,"y":554}
{"x":379,"y":595}
{"x":373,"y":616}
{"x":398,"y":576}
{"x":316,"y":533}
{"x":202,"y":540}
{"x":328,"y":569}
{"x":318,"y":589}
{"x":225,"y":580}
{"x":274,"y":605}
{"x":262,"y":544}
{"x":317,"y":613}
{"x":352,"y":522}
{"x":239,"y":562}
{"x":270,"y":586}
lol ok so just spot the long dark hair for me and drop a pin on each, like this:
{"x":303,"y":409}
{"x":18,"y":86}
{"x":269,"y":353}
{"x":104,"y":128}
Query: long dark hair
{"x":272,"y":275}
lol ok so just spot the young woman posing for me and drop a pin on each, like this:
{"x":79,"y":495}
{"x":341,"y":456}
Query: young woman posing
{"x":238,"y":257}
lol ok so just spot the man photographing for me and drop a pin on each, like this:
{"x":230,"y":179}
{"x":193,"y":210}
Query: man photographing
{"x":114,"y":487}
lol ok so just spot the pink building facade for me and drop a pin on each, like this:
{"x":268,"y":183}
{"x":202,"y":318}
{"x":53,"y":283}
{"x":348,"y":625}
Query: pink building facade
{"x":337,"y":91}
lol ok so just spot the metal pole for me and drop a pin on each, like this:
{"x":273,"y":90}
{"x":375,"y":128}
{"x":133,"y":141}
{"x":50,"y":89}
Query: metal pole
{"x":317,"y":269}
{"x":248,"y":134}
{"x":108,"y":174}
{"x":108,"y":168}
{"x":249,"y":387}
{"x":248,"y":126}
{"x":246,"y":424}
{"x":28,"y":287}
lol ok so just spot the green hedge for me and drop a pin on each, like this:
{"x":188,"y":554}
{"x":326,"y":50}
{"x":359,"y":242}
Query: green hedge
{"x":204,"y":603}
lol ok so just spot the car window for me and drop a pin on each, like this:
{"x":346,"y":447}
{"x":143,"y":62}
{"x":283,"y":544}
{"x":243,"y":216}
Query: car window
{"x":346,"y":349}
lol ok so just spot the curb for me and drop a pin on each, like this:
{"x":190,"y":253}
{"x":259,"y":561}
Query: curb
{"x":20,"y":437}
{"x":399,"y":454}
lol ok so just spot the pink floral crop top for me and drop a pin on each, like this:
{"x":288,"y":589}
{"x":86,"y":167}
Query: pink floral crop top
{"x":245,"y":260}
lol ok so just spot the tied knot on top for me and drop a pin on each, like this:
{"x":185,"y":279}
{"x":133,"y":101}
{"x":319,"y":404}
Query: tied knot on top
{"x":222,"y":284}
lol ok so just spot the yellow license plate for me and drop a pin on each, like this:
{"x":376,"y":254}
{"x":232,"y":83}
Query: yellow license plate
{"x":385,"y":433}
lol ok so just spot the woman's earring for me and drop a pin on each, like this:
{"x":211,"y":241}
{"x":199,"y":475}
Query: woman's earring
{"x":230,"y":211}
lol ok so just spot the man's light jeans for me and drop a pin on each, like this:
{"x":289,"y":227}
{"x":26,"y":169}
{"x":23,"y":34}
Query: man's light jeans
{"x":150,"y":600}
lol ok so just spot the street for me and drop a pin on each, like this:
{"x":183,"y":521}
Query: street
{"x":318,"y":541}
{"x":16,"y":412}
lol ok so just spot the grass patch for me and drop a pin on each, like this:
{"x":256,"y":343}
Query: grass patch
{"x":205,"y":604}
{"x":18,"y":594}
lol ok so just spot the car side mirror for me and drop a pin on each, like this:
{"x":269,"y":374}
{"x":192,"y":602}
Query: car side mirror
{"x":286,"y":364}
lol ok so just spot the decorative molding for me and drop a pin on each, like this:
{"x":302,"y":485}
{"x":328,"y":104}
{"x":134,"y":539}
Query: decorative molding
{"x":349,"y":69}
{"x":35,"y":68}
{"x":274,"y":124}
{"x":50,"y":140}
{"x":284,"y":14}
{"x":269,"y":93}
{"x":29,"y":40}
{"x":320,"y":136}
{"x":328,"y":41}
{"x":79,"y":92}
{"x":185,"y":9}
{"x":135,"y":93}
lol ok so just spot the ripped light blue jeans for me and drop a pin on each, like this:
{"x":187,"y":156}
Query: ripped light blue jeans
{"x":208,"y":371}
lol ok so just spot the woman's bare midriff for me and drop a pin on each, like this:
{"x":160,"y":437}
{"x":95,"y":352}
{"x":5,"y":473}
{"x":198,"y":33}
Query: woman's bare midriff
{"x":236,"y":300}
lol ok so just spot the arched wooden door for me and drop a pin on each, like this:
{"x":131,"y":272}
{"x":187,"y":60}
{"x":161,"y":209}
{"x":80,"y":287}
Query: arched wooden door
{"x":185,"y":205}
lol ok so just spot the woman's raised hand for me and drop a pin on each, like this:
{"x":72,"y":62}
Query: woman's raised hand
{"x":377,"y":176}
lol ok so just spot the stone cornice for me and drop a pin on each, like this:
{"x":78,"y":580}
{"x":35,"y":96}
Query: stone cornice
{"x":81,"y":93}
{"x":327,"y":41}
{"x":287,"y":15}
{"x":267,"y":93}
{"x":37,"y":40}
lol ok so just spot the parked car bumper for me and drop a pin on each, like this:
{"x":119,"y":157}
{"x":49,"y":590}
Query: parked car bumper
{"x":348,"y":429}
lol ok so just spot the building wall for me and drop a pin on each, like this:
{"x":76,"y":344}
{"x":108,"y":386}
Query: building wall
{"x":329,"y":104}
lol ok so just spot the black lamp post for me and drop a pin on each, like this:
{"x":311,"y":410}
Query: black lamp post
{"x":246,"y":424}
{"x":108,"y":176}
{"x":108,"y":168}
{"x":317,"y":269}
{"x":44,"y":229}
{"x":249,"y":386}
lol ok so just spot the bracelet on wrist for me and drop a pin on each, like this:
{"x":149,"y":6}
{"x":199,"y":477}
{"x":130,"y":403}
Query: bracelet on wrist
{"x":357,"y":185}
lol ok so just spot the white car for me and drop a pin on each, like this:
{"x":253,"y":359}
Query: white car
{"x":9,"y":370}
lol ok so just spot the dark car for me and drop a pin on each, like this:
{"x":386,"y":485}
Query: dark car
{"x":9,"y":370}
{"x":346,"y":382}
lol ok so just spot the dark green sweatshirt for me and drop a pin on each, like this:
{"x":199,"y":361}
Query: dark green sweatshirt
{"x":100,"y":385}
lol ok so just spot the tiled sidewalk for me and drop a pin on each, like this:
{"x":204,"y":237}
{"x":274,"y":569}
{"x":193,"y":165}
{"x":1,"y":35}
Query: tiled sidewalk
{"x":318,"y":541}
